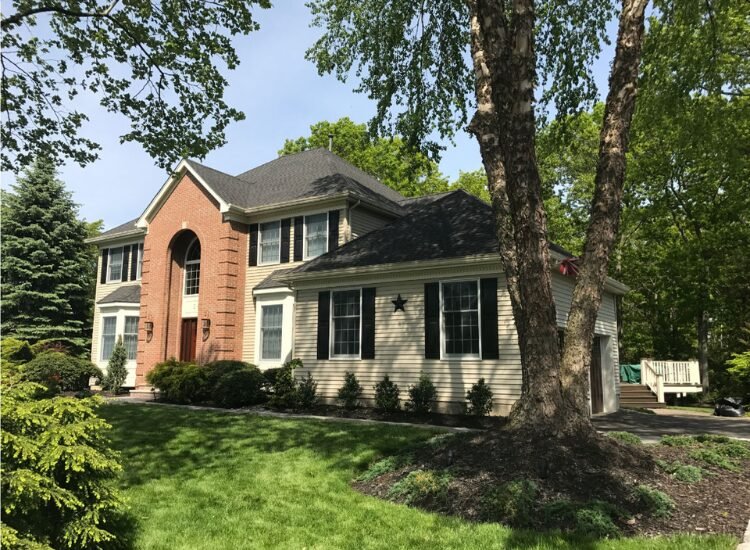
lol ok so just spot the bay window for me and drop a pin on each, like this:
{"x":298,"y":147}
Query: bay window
{"x":270,"y":331}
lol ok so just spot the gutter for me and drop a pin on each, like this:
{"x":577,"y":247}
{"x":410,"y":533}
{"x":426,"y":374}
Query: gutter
{"x":136,"y":232}
{"x":346,"y":195}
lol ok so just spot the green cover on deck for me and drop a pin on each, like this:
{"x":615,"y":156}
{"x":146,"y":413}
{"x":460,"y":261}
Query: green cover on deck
{"x":630,"y":374}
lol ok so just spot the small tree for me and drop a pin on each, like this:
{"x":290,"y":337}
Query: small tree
{"x":422,"y":395}
{"x":386,"y":395}
{"x":350,"y":392}
{"x":116,"y":370}
{"x":479,"y":399}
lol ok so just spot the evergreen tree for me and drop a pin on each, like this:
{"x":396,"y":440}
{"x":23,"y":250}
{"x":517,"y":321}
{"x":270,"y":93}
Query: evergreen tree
{"x":116,"y":370}
{"x":47,"y":267}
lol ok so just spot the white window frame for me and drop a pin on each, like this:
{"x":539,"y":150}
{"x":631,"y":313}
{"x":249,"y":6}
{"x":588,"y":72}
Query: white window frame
{"x":184,"y":270}
{"x":260,"y":243}
{"x":109,"y":264}
{"x":101,"y":337}
{"x":305,"y":255}
{"x":124,"y":334}
{"x":139,"y":268}
{"x":462,"y":356}
{"x":332,"y":331}
{"x":281,"y":334}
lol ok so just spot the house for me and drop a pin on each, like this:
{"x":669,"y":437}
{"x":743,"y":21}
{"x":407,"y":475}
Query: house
{"x":307,"y":256}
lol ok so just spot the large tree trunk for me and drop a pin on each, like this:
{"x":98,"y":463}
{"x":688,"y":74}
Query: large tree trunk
{"x":703,"y":350}
{"x":605,"y":208}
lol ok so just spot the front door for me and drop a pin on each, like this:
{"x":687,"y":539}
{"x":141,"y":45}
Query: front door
{"x":597,"y":394}
{"x":188,"y":339}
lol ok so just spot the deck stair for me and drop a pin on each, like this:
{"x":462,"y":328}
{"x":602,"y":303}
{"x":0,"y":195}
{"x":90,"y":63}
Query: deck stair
{"x":638,"y":396}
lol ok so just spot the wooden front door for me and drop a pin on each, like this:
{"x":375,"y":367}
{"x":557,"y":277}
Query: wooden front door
{"x":188,"y":337}
{"x":597,"y":394}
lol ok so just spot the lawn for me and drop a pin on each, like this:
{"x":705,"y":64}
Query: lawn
{"x":214,"y":480}
{"x":702,"y":410}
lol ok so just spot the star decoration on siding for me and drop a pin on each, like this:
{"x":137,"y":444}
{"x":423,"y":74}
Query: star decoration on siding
{"x":398,"y":303}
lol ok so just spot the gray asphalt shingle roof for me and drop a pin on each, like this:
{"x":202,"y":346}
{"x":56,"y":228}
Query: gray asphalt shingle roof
{"x":271,"y":282}
{"x":122,"y":228}
{"x":130,"y":294}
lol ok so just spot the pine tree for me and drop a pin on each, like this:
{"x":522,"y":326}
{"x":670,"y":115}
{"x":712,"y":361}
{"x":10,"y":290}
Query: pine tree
{"x":47,"y":268}
{"x":117,"y":372}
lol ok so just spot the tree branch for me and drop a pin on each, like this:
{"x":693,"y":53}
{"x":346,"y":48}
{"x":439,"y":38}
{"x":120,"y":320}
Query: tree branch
{"x":17,"y":18}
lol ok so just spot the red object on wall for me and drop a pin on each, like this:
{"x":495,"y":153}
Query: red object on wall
{"x":569,"y":266}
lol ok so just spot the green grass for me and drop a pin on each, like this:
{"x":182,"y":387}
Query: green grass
{"x":205,"y":480}
{"x":703,"y":410}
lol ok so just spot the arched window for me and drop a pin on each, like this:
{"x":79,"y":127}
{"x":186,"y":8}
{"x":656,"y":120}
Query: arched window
{"x":193,"y":268}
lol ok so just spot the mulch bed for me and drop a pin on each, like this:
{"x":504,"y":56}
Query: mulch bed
{"x":580,"y":471}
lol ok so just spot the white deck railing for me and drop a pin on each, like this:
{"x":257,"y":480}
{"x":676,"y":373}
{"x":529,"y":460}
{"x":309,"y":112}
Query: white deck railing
{"x":674,"y":372}
{"x":652,"y":379}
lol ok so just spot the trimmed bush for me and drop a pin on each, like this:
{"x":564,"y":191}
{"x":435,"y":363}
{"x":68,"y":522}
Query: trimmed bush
{"x":269,"y":378}
{"x":421,"y":395}
{"x":384,"y":466}
{"x":284,"y":393}
{"x":350,"y":392}
{"x":239,"y":388}
{"x":61,"y":345}
{"x":60,"y":372}
{"x":682,"y":472}
{"x":180,"y":382}
{"x":216,"y":369}
{"x":479,"y":399}
{"x":625,"y":437}
{"x":658,"y":504}
{"x":15,"y":352}
{"x":387,"y":395}
{"x":421,"y":485}
{"x":117,"y":372}
{"x":594,"y":521}
{"x":307,"y":392}
{"x":511,"y":503}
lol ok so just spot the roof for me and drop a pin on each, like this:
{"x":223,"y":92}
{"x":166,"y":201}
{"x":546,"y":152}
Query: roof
{"x":130,"y":294}
{"x":124,"y":229}
{"x":444,"y":226}
{"x":271,"y":282}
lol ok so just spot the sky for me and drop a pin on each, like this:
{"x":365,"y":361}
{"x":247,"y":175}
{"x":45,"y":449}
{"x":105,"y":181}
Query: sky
{"x":281,"y":95}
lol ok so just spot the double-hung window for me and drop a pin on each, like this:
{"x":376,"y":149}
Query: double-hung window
{"x":316,"y":235}
{"x":270,"y":331}
{"x":130,"y":336}
{"x":346,"y":321}
{"x":139,"y":268}
{"x":270,"y":243}
{"x":109,"y":328}
{"x":460,"y":319}
{"x":193,"y":269}
{"x":114,"y":265}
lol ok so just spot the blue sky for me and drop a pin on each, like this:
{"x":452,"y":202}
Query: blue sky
{"x":281,"y":95}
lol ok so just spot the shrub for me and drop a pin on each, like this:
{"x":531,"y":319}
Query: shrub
{"x":15,"y":352}
{"x":594,"y":521}
{"x":682,"y":472}
{"x":76,"y":348}
{"x":387,"y":395}
{"x":350,"y":392}
{"x":625,"y":437}
{"x":116,"y":369}
{"x":422,"y":485}
{"x":386,"y":465}
{"x":422,"y":395}
{"x":480,"y":399}
{"x":512,"y":503}
{"x":216,"y":369}
{"x":714,"y":458}
{"x":239,"y":388}
{"x":58,"y":472}
{"x":677,"y":440}
{"x":269,"y":378}
{"x":307,"y":392}
{"x":285,"y":394}
{"x":59,"y":371}
{"x":180,"y":382}
{"x":658,"y":504}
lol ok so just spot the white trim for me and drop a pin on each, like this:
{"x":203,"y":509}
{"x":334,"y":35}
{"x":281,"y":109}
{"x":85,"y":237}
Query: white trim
{"x":119,"y":311}
{"x":274,"y":290}
{"x":305,"y":255}
{"x":191,"y":262}
{"x":286,"y":300}
{"x":109,"y":278}
{"x":259,"y":252}
{"x":262,"y":308}
{"x":331,"y":331}
{"x":139,"y":261}
{"x":465,"y":356}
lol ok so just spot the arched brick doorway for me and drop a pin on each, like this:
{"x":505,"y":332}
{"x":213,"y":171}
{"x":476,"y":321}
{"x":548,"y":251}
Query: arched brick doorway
{"x":184,"y":295}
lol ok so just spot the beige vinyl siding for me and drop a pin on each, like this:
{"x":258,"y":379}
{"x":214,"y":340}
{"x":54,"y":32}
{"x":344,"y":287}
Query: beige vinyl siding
{"x":399,"y":348}
{"x":363,"y":221}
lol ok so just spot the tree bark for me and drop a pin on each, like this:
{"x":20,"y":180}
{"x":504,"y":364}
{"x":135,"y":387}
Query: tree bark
{"x":605,"y":208}
{"x":703,"y":349}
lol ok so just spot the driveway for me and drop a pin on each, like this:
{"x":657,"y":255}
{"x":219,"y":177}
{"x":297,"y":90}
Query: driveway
{"x":650,"y":427}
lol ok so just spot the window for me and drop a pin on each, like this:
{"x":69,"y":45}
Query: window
{"x":114,"y":265}
{"x":345,"y":318}
{"x":193,"y":268}
{"x":460,"y":318}
{"x":270,"y":243}
{"x":139,"y":269}
{"x":109,"y":328}
{"x":316,"y":235}
{"x":130,"y":337}
{"x":270,"y":331}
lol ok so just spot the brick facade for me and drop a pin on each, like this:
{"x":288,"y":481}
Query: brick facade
{"x":190,"y":209}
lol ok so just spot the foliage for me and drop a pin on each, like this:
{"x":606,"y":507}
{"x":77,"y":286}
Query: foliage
{"x":421,"y":485}
{"x":59,"y":371}
{"x":117,"y":372}
{"x":512,"y":503}
{"x":76,"y":347}
{"x":385,"y":466}
{"x":387,"y":395}
{"x":713,"y":457}
{"x":657,"y":503}
{"x":307,"y":392}
{"x":474,"y":183}
{"x":179,"y":382}
{"x":594,"y":522}
{"x":285,"y":394}
{"x":57,"y":472}
{"x":159,"y":66}
{"x":215,"y":370}
{"x":625,"y":437}
{"x":677,"y":440}
{"x":15,"y":352}
{"x":239,"y":388}
{"x":738,"y":368}
{"x":479,"y":398}
{"x":48,"y":272}
{"x":682,"y":472}
{"x":421,"y":395}
{"x":350,"y":392}
{"x":387,"y":158}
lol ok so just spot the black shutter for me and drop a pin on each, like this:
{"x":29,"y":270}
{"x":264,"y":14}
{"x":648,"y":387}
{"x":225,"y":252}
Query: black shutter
{"x":253,"y":255}
{"x":368,"y":323}
{"x":125,"y":262}
{"x":432,"y":321}
{"x":298,"y":235}
{"x":324,"y":311}
{"x":488,"y":296}
{"x":333,"y":230}
{"x":285,"y":225}
{"x":136,"y":251}
{"x":105,"y":257}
